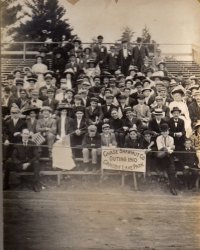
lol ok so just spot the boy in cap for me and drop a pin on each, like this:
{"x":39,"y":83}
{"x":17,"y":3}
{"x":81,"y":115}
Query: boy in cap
{"x":107,"y":137}
{"x":142,"y":111}
{"x":91,"y":145}
{"x":165,"y":145}
{"x":47,"y":127}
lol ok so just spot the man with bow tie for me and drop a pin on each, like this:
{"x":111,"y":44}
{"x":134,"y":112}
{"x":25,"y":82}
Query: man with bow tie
{"x":25,"y":157}
{"x":124,"y":58}
{"x":177,"y":128}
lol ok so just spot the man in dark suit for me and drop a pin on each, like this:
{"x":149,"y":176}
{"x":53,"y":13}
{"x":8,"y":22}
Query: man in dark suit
{"x":101,"y":52}
{"x":51,"y":102}
{"x":24,"y":157}
{"x":177,"y":129}
{"x":156,"y":122}
{"x":139,"y":53}
{"x":79,"y":130}
{"x":93,"y":113}
{"x":14,"y":126}
{"x":189,"y":161}
{"x":112,"y":60}
{"x":124,"y":58}
{"x":107,"y":108}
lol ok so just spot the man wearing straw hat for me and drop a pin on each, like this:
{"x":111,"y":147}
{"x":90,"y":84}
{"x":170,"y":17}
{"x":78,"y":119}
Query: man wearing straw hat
{"x":47,"y":127}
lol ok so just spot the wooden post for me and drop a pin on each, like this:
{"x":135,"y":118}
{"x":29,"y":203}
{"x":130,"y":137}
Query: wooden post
{"x":135,"y":181}
{"x":123,"y":178}
{"x":58,"y":179}
{"x":24,"y":50}
{"x":197,"y":183}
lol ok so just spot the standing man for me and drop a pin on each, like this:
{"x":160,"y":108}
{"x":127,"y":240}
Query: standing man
{"x":101,"y":52}
{"x":140,"y":52}
{"x":124,"y":58}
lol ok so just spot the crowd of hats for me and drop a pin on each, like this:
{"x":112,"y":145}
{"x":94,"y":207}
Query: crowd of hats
{"x":156,"y":79}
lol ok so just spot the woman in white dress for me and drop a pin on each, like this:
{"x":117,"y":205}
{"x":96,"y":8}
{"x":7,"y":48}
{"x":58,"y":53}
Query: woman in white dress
{"x":178,"y":101}
{"x":39,"y":69}
{"x":62,"y":152}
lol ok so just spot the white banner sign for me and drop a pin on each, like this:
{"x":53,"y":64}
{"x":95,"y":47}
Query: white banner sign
{"x":124,"y":159}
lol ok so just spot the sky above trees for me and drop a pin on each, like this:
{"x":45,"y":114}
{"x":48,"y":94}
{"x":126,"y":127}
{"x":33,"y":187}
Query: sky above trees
{"x":171,"y":21}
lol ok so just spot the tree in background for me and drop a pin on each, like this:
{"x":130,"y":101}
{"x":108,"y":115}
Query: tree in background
{"x":9,"y":10}
{"x":146,"y":36}
{"x":43,"y":20}
{"x":127,"y":34}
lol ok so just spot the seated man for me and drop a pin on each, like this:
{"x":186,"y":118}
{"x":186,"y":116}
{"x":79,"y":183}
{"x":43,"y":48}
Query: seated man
{"x":47,"y":127}
{"x":132,"y":139}
{"x":177,"y":129}
{"x":142,"y":111}
{"x":116,"y":124}
{"x":24,"y":157}
{"x":189,"y":161}
{"x":79,"y":130}
{"x":107,"y":137}
{"x":91,"y":143}
{"x":165,"y":145}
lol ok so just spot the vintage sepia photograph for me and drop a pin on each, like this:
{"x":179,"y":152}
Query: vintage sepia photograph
{"x":100,"y":122}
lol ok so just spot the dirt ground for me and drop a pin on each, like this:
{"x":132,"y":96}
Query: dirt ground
{"x":85,"y":214}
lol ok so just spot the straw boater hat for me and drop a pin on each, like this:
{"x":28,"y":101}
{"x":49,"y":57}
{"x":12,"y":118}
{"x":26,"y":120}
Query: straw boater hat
{"x":46,"y":108}
{"x":156,"y":75}
{"x":62,"y":106}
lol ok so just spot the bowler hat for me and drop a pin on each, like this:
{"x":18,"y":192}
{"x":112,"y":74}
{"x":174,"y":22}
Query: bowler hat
{"x":175,"y":109}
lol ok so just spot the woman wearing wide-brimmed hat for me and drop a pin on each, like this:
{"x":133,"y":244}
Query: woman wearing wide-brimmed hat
{"x":178,"y":94}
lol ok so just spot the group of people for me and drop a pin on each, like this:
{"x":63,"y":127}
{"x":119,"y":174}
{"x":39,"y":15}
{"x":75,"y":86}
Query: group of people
{"x":94,"y":97}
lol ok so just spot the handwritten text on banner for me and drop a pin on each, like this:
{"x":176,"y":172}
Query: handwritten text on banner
{"x":124,"y":159}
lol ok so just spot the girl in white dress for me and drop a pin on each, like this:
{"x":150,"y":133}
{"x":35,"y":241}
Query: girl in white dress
{"x":39,"y":69}
{"x":177,"y":95}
